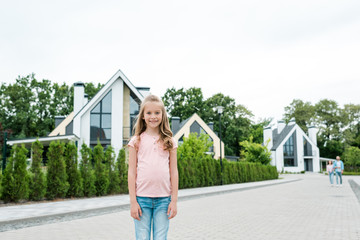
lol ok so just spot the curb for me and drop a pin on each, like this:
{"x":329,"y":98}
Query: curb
{"x":61,"y":217}
{"x":356,"y":188}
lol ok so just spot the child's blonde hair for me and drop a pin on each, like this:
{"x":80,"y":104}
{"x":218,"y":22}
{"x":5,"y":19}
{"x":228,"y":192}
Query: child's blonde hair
{"x":164,"y":127}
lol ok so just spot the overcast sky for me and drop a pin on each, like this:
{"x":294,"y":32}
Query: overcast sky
{"x":262,"y":53}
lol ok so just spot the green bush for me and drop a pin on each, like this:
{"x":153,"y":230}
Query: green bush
{"x":87,"y":172}
{"x":72,"y":171}
{"x":255,"y":152}
{"x":351,"y":173}
{"x":37,"y":177}
{"x":113,"y":175}
{"x":122,"y":171}
{"x":198,"y":169}
{"x":15,"y":183}
{"x":101,"y":177}
{"x":57,"y":185}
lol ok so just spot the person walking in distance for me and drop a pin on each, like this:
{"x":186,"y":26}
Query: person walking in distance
{"x":153,"y":174}
{"x":339,"y":169}
{"x":330,"y":171}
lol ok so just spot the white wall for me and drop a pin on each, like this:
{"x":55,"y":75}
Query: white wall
{"x":117,"y":115}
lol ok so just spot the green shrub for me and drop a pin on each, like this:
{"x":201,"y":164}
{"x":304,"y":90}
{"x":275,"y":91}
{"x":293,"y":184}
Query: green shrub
{"x":122,"y":171}
{"x":15,"y":183}
{"x":113,"y":175}
{"x":198,"y":169}
{"x":87,"y":172}
{"x":101,"y":177}
{"x":37,"y":179}
{"x":351,"y":173}
{"x":255,"y":152}
{"x":72,"y":171}
{"x":57,"y":185}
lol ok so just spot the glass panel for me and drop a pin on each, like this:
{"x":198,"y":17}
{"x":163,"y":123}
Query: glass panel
{"x":95,"y":120}
{"x":106,"y":103}
{"x":96,"y":109}
{"x":106,"y":120}
{"x":134,"y":107}
{"x":107,"y":133}
{"x":94,"y":133}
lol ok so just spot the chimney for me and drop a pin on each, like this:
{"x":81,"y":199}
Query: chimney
{"x":292,"y":121}
{"x":211,"y":125}
{"x":281,"y":126}
{"x":267,"y":136}
{"x":79,"y":91}
{"x":86,"y":99}
{"x":145,"y":91}
{"x":58,"y":120}
{"x":312,"y":134}
{"x":175,"y":124}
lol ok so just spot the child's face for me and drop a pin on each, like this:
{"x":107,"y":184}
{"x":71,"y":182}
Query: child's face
{"x":152,"y":114}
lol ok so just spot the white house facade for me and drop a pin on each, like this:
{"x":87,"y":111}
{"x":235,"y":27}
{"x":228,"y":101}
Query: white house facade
{"x":291,"y":149}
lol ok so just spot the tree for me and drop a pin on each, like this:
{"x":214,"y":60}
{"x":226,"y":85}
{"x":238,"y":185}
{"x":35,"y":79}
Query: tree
{"x":72,"y":171}
{"x":352,"y":157}
{"x":235,"y":121}
{"x":255,"y":152}
{"x":28,"y":107}
{"x":15,"y":183}
{"x":101,"y":178}
{"x":37,"y":180}
{"x":302,"y":112}
{"x":351,"y":124}
{"x":257,"y":130}
{"x":57,"y":184}
{"x":122,"y":169}
{"x":87,"y":172}
{"x":114,"y":180}
{"x":184,"y":103}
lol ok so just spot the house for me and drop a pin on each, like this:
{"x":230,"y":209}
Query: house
{"x":195,"y":124}
{"x":108,"y":117}
{"x":291,"y":149}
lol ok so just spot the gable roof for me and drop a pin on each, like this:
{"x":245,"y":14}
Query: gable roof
{"x":105,"y":88}
{"x":188,"y":122}
{"x":278,"y":138}
{"x":61,"y":128}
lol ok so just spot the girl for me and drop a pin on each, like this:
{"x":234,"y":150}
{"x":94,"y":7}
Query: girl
{"x":330,"y":170}
{"x":153,"y":173}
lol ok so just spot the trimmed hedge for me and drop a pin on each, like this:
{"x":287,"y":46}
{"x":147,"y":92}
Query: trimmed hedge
{"x":64,"y":177}
{"x":198,"y":169}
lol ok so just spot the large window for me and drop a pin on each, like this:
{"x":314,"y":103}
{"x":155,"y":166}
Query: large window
{"x":307,"y":148}
{"x":290,"y":152}
{"x":100,"y":122}
{"x":195,"y":127}
{"x":134,"y":111}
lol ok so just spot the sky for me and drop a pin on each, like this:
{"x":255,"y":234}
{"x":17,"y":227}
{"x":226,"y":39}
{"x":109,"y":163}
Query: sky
{"x":262,"y":53}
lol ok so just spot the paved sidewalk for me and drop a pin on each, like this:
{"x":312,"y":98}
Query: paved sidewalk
{"x":20,"y":216}
{"x":307,"y":209}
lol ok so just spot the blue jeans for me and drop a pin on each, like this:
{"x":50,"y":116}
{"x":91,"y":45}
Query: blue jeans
{"x":340,"y":176}
{"x":331,"y":176}
{"x":154,"y":212}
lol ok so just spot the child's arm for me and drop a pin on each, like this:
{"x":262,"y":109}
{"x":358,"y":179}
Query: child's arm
{"x":135,"y":209}
{"x":174,"y":178}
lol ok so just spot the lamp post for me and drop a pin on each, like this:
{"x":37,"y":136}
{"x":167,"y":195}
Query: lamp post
{"x":220,"y":109}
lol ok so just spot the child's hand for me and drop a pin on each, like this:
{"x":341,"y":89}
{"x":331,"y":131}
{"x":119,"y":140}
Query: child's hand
{"x":172,"y":209}
{"x":135,"y":211}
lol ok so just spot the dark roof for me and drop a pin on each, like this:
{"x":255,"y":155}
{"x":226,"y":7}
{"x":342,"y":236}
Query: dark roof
{"x":278,"y":138}
{"x":182,"y":124}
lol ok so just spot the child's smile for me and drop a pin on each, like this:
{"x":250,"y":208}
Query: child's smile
{"x":152,"y":114}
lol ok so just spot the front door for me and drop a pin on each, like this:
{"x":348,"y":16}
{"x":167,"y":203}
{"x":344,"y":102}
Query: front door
{"x":308,"y":164}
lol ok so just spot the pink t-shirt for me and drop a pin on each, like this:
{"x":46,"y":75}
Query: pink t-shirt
{"x":153,"y":169}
